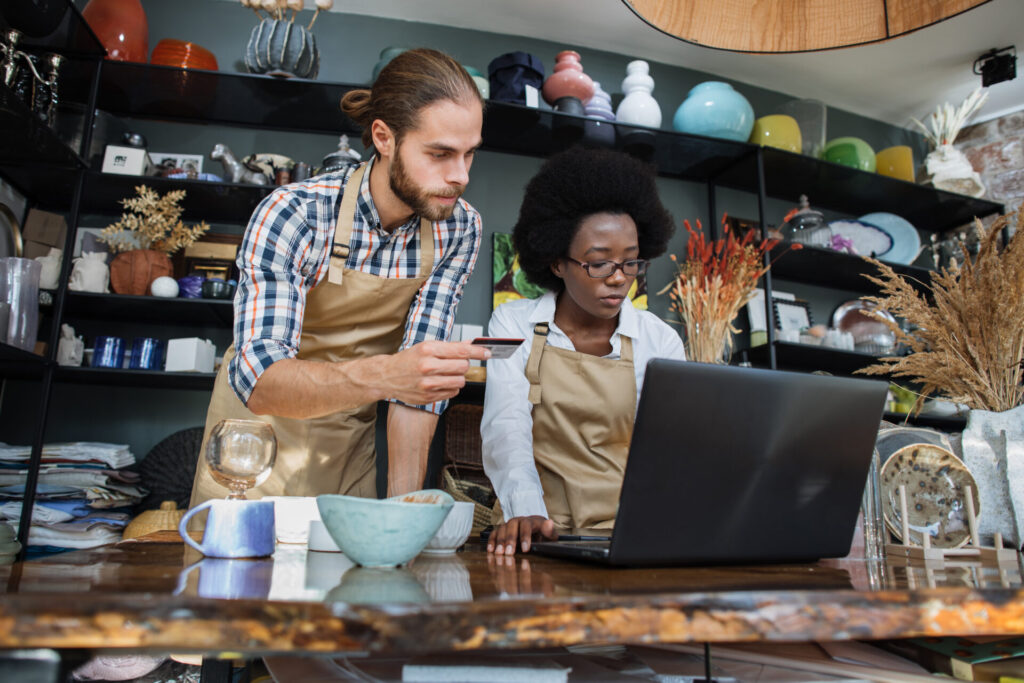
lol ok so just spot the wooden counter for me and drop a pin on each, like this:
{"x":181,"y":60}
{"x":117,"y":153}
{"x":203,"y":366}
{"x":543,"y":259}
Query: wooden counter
{"x":139,"y":596}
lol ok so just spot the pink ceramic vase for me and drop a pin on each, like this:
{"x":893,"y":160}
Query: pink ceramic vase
{"x":568,"y":79}
{"x":122,"y":28}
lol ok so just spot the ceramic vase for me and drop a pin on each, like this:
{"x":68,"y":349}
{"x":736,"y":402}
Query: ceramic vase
{"x":949,"y":169}
{"x":281,"y":48}
{"x":90,"y":273}
{"x":568,"y":79}
{"x":599,"y":131}
{"x":386,"y":55}
{"x":638,"y":107}
{"x":993,"y":450}
{"x":716,"y":110}
{"x":132,"y":272}
{"x":122,"y":28}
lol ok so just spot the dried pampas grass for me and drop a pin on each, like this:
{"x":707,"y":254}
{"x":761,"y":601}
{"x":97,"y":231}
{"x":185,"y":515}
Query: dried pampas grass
{"x":968,"y":345}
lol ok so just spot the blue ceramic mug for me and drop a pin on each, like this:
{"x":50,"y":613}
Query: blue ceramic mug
{"x":234,"y":528}
{"x":108,"y":352}
{"x":229,"y":579}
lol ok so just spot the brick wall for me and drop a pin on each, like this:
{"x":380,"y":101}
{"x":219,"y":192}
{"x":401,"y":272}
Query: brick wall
{"x":996,"y":150}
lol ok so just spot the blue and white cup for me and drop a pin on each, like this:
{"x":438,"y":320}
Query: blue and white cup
{"x":147,"y":354}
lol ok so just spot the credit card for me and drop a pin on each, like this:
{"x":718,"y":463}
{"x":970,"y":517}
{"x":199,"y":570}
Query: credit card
{"x":499,"y":348}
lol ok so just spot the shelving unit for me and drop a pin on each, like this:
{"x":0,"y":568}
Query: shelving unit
{"x":50,"y":174}
{"x":54,"y":176}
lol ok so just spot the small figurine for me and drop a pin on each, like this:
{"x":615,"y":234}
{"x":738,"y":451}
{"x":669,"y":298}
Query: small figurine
{"x":236,"y":171}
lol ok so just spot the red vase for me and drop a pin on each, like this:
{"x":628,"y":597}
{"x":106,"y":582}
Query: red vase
{"x":121,"y":27}
{"x":568,"y":79}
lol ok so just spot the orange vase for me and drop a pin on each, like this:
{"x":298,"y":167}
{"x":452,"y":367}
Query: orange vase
{"x":122,"y":28}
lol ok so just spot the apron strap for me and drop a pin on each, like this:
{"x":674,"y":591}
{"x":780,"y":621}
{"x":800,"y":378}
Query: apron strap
{"x":540,"y":338}
{"x":625,"y":348}
{"x":343,"y":233}
{"x":343,"y":230}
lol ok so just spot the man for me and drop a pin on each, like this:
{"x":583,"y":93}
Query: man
{"x":349,"y":283}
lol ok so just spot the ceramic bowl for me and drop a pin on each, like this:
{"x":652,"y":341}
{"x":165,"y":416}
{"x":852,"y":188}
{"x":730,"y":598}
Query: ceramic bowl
{"x":183,"y":54}
{"x":779,"y":131}
{"x":377,"y":586}
{"x":217,"y":289}
{"x":935,"y":481}
{"x":384,"y":533}
{"x":852,"y":152}
{"x":454,"y":531}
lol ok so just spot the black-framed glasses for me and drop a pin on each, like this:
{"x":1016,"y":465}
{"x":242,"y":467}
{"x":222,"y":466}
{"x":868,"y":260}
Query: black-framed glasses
{"x":597,"y":269}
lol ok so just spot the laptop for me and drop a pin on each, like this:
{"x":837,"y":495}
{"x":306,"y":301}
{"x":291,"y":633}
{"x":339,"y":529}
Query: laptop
{"x":731,"y":465}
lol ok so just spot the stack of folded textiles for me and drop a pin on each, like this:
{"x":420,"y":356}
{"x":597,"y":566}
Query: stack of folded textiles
{"x":84,"y":495}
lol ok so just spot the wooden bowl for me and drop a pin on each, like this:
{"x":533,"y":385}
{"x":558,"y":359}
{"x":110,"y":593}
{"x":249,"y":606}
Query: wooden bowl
{"x":182,"y":54}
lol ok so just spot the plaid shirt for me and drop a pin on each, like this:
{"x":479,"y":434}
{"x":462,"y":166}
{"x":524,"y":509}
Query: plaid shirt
{"x":285,"y":253}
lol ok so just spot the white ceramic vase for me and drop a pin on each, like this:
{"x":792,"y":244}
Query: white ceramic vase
{"x":947,"y":168}
{"x":638,"y":107}
{"x":90,"y":273}
{"x":993,"y":449}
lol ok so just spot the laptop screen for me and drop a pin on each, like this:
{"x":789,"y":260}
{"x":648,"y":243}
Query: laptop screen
{"x":741,"y":465}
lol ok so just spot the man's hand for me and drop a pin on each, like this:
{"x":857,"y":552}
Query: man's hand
{"x":429,"y":371}
{"x":519,"y":530}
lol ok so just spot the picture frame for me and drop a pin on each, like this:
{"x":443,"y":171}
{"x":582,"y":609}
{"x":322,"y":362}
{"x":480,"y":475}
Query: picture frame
{"x":166,"y":162}
{"x":792,"y":315}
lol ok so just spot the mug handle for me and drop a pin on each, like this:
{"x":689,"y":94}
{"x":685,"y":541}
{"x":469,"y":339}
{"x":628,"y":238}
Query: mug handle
{"x":183,"y":525}
{"x":183,"y":577}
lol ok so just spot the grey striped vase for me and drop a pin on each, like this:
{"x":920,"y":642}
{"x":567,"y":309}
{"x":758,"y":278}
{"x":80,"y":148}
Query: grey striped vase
{"x":281,"y":48}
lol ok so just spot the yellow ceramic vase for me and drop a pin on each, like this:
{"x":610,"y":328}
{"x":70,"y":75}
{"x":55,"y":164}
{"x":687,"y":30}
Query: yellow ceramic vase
{"x":896,"y":162}
{"x":777,"y":130}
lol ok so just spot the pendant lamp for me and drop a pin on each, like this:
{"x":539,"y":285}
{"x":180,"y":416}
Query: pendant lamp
{"x":793,"y":25}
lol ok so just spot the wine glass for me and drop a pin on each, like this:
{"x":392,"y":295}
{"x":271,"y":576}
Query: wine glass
{"x":240,"y":454}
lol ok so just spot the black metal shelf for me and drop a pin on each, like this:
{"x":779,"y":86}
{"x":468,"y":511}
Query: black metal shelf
{"x":209,"y":201}
{"x":71,"y":35}
{"x":197,"y":96}
{"x":28,"y":140}
{"x":953,"y":423}
{"x":810,"y":358}
{"x":17,"y":363}
{"x":153,"y":379}
{"x":149,"y":309}
{"x":835,"y":269}
{"x":855,"y":192}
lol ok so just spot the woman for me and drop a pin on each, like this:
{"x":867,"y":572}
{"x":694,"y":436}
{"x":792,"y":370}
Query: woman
{"x":558,"y":415}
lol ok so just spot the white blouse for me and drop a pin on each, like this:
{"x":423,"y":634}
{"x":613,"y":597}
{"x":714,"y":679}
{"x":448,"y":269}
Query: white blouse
{"x":507,"y":424}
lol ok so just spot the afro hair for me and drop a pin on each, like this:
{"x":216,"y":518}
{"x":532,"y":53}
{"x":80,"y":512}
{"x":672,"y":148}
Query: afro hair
{"x":578,"y":183}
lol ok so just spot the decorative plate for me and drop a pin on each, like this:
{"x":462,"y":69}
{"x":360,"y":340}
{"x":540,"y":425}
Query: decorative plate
{"x":935,"y":481}
{"x":867,"y":239}
{"x":906,"y":242}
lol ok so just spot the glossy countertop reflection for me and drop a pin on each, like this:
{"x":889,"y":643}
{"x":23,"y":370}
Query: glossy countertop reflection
{"x":157,"y":593}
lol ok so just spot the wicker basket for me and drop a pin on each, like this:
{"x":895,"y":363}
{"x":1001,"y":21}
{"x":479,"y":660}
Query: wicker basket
{"x":460,"y":490}
{"x":462,"y":442}
{"x":164,"y":519}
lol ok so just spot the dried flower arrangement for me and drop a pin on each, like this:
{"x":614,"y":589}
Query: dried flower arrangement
{"x":969,"y":343}
{"x":152,"y":222}
{"x":715,"y":281}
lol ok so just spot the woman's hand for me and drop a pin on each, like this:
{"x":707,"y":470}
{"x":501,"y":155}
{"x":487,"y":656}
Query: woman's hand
{"x":519,"y":530}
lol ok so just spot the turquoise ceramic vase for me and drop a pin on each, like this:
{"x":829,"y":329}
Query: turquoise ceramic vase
{"x":716,"y":110}
{"x":386,"y":55}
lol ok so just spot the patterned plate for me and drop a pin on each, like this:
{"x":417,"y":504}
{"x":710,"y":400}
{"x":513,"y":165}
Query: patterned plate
{"x":935,"y":481}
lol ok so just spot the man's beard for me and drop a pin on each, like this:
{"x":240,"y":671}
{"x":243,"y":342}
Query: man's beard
{"x":417,"y":198}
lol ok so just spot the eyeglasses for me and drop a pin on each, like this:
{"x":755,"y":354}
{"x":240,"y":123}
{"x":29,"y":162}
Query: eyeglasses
{"x":598,"y":269}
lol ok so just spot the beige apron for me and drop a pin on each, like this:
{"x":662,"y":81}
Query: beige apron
{"x":349,"y":315}
{"x":583,"y":413}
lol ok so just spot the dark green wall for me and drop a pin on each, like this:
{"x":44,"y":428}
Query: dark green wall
{"x":349,"y":47}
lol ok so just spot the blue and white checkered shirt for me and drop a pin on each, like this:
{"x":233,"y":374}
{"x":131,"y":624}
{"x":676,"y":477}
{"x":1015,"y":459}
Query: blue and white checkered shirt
{"x":285,"y":253}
